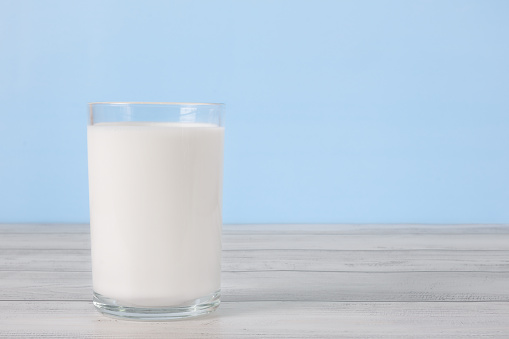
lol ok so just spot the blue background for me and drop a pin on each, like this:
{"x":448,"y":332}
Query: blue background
{"x":337,"y":111}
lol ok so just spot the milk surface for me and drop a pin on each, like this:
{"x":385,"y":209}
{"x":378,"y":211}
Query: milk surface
{"x":155,"y":211}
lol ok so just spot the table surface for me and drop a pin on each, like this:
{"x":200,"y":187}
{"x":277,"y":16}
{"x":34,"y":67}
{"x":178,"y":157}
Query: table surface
{"x":281,"y":281}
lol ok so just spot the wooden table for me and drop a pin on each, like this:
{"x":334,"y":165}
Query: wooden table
{"x":281,"y":281}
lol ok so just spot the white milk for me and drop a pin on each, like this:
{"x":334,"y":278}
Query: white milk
{"x":155,"y":211}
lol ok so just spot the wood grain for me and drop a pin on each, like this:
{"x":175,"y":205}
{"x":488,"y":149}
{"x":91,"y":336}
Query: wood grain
{"x":289,"y":286}
{"x":371,"y":229}
{"x":267,"y":320}
{"x":281,"y":281}
{"x":348,"y":242}
{"x":297,"y":260}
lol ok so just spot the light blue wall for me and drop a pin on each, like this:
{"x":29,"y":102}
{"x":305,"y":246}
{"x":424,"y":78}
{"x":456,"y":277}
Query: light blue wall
{"x":338,"y":111}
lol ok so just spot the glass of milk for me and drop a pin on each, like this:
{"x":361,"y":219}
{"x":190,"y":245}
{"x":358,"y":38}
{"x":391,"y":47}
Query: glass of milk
{"x":155,"y":181}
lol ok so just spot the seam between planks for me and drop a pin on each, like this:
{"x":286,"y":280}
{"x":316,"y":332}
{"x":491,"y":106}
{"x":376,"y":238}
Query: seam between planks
{"x":302,"y":271}
{"x":503,"y":301}
{"x":87,"y":250}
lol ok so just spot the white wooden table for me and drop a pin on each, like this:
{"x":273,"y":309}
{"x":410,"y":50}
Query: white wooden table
{"x":281,"y":281}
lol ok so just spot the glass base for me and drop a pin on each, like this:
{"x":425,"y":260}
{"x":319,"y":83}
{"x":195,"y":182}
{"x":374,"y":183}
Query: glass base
{"x":197,"y":307}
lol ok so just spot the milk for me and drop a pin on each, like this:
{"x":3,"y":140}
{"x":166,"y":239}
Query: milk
{"x":155,"y":211}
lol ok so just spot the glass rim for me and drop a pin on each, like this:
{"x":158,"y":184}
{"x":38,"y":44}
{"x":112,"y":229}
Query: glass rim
{"x":155,"y":103}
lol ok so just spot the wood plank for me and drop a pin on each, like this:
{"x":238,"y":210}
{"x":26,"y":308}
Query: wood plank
{"x":290,"y":286}
{"x":266,"y":319}
{"x":45,"y":241}
{"x":299,"y":260}
{"x":285,"y":281}
{"x":340,"y":229}
{"x":385,"y":242}
{"x":371,"y":229}
{"x":47,"y":260}
{"x":43,"y":228}
{"x":471,"y":242}
{"x":367,"y":261}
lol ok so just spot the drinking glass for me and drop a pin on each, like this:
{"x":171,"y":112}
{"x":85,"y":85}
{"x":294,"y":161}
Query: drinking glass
{"x":155,"y":182}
